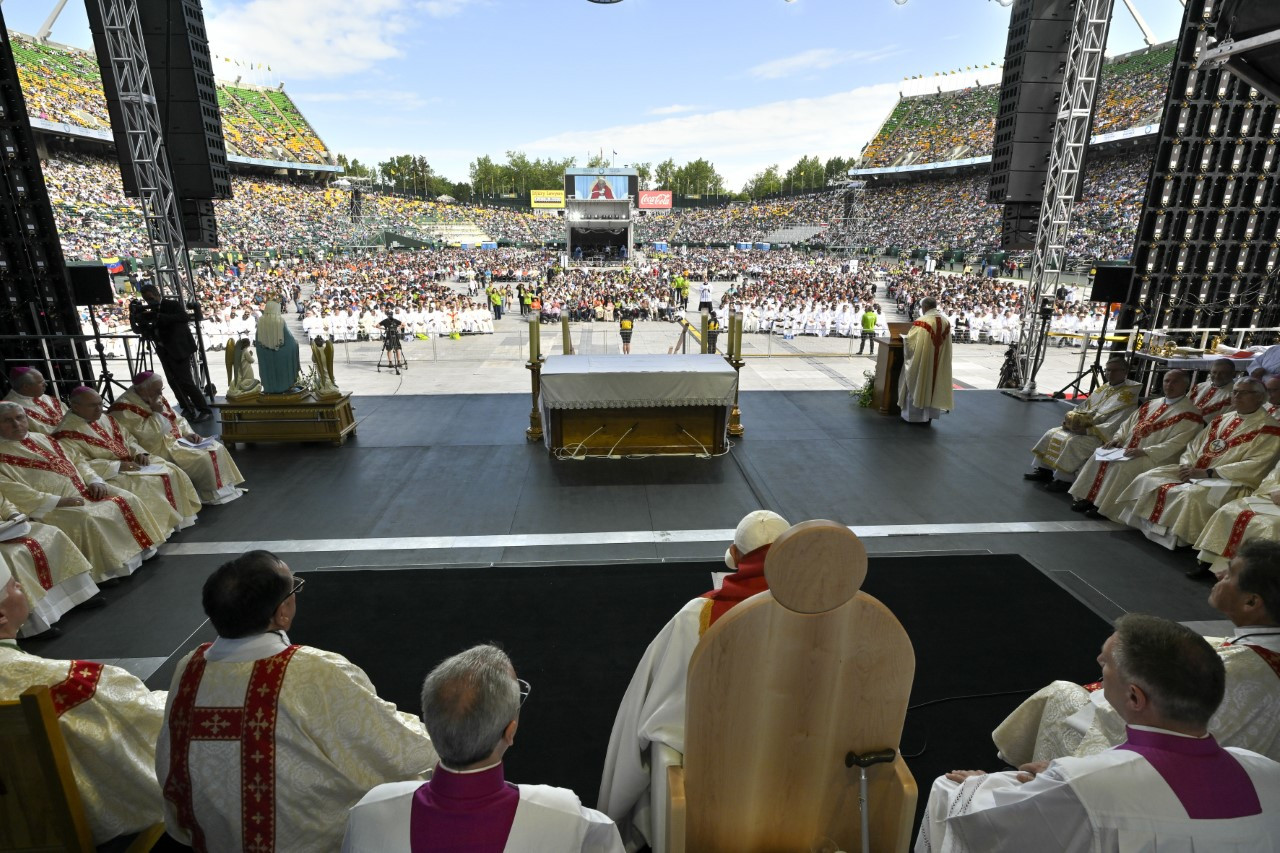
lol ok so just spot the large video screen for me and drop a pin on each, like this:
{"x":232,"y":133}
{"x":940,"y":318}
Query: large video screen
{"x":601,"y":186}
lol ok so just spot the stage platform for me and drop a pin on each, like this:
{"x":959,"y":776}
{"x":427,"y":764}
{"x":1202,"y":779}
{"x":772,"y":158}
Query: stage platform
{"x":451,"y":480}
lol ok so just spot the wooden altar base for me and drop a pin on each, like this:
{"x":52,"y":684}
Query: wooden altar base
{"x":653,"y":431}
{"x":264,"y":420}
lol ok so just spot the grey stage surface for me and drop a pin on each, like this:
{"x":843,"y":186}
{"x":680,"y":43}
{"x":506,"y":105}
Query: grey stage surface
{"x":451,"y":480}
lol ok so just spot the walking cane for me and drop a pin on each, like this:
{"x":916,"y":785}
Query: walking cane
{"x":864,"y":761}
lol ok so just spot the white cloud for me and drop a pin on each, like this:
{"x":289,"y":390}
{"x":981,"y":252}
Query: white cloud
{"x":817,"y":59}
{"x":674,"y":109}
{"x":743,"y":141}
{"x":399,"y":99}
{"x":302,"y":39}
{"x":444,"y":8}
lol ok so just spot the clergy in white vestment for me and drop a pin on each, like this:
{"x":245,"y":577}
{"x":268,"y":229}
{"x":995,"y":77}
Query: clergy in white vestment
{"x":108,"y":718}
{"x":1168,"y":786}
{"x":1069,"y":719}
{"x":1213,"y":395}
{"x":1171,"y":504}
{"x":55,"y":576}
{"x":111,"y":527}
{"x":1272,"y":406}
{"x":1245,"y":519}
{"x":147,"y":416}
{"x":267,"y":744}
{"x":87,"y":433}
{"x":1060,"y":452}
{"x":650,"y":720}
{"x":1154,"y":434}
{"x":471,"y":706}
{"x":925,"y":389}
{"x":28,"y":389}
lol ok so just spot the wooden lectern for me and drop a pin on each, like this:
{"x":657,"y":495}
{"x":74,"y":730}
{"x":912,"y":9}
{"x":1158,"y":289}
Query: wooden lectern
{"x":889,"y":369}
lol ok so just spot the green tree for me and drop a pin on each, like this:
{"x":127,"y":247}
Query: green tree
{"x":806,"y":173}
{"x":664,"y":176}
{"x":763,"y":183}
{"x":699,"y":177}
{"x":645,"y":171}
{"x":407,"y":173}
{"x":354,"y":168}
{"x":837,"y":169}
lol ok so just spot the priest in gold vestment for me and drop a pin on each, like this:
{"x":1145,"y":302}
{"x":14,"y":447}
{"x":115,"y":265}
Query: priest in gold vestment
{"x":110,"y":527}
{"x":1060,"y":452}
{"x":1171,"y":504}
{"x":1065,"y":719}
{"x":55,"y":576}
{"x":148,"y":417}
{"x":1154,"y":434}
{"x":267,"y":744}
{"x":29,"y":390}
{"x":112,"y":452}
{"x":108,"y":718}
{"x":925,"y":389}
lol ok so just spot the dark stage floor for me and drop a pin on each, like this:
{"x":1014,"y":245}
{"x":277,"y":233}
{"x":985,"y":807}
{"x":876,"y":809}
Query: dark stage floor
{"x":451,"y":481}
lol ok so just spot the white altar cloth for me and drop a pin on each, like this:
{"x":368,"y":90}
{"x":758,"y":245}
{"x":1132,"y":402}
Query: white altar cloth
{"x":632,"y":381}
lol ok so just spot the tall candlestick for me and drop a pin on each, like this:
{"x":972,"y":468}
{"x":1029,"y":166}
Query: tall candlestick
{"x":567,"y":345}
{"x":737,"y":344}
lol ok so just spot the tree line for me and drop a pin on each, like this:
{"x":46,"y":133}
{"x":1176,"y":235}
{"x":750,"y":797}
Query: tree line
{"x":413,"y":175}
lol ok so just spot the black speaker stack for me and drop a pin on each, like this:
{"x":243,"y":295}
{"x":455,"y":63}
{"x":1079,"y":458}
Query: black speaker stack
{"x":187,"y":96}
{"x":36,"y":307}
{"x":1034,"y":66}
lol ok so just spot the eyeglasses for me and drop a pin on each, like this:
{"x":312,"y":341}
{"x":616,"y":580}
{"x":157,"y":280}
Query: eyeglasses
{"x":298,"y":584}
{"x":525,"y":690}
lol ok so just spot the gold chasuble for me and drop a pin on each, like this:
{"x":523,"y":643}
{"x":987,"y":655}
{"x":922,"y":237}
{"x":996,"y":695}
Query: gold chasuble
{"x":1101,"y":414}
{"x":110,"y":721}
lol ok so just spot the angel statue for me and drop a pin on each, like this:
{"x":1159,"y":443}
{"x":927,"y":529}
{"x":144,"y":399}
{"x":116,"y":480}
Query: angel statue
{"x":241,"y":381}
{"x":322,"y":358}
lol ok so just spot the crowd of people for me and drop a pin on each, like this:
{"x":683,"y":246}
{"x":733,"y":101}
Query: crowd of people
{"x":958,"y":124}
{"x":64,"y":85}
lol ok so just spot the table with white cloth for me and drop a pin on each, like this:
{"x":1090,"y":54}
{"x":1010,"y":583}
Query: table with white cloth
{"x":1152,"y":367}
{"x":620,"y":405}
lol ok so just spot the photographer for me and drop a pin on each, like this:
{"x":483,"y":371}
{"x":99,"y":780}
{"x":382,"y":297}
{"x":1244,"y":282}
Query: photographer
{"x":390,"y":331}
{"x":165,"y":324}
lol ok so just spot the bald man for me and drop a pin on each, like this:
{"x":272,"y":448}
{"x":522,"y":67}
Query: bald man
{"x":146,"y":415}
{"x":87,"y":432}
{"x":1155,"y":434}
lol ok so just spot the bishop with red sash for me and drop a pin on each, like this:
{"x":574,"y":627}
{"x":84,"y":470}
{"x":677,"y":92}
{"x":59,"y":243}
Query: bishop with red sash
{"x":147,"y":416}
{"x":28,"y":389}
{"x":88,"y":433}
{"x":1171,"y":504}
{"x":111,"y":527}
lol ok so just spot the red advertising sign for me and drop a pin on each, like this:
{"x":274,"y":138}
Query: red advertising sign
{"x":655,"y":200}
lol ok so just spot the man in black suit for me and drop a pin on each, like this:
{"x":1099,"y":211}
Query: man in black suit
{"x":165,"y":323}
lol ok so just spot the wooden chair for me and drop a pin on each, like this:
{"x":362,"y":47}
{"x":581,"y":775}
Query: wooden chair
{"x":781,"y":689}
{"x":40,"y":807}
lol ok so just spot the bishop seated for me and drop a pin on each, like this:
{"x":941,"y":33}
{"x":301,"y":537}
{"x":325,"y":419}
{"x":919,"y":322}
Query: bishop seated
{"x":28,"y":389}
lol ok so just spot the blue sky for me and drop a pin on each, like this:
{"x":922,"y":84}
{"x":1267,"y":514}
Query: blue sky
{"x":744,"y":83}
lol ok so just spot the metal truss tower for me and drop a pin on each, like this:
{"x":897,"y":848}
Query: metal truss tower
{"x":1090,"y":26}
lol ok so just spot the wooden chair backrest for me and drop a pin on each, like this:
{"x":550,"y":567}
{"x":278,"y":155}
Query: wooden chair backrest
{"x":781,"y":689}
{"x":40,"y":808}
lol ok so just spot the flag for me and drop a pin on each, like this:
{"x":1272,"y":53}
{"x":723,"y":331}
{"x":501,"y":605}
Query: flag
{"x":114,"y":265}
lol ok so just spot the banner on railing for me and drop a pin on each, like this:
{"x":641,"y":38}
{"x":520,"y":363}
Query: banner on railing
{"x":546,"y":199}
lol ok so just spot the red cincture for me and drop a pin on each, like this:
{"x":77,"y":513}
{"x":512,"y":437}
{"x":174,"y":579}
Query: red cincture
{"x":57,"y":462}
{"x":253,"y":725}
{"x":1237,"y":532}
{"x":77,"y":688}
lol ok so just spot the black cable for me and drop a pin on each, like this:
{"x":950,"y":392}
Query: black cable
{"x":972,"y":696}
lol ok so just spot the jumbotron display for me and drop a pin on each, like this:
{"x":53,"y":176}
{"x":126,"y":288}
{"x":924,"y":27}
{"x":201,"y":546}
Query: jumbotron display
{"x":601,"y":184}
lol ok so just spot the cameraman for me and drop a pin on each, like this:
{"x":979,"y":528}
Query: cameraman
{"x":164,"y":323}
{"x":390,"y":331}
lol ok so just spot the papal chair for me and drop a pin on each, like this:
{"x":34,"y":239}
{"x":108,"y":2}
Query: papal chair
{"x":40,"y":807}
{"x":783,"y":691}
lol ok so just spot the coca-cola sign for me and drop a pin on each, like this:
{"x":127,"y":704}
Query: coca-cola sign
{"x":655,"y":200}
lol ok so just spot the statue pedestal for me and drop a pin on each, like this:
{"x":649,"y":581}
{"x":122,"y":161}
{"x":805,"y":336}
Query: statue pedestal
{"x":286,"y":418}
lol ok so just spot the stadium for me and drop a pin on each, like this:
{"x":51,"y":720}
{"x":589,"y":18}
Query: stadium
{"x":483,"y":417}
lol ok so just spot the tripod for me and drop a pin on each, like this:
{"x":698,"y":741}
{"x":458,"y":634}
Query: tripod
{"x":392,"y":356}
{"x":1093,"y":371}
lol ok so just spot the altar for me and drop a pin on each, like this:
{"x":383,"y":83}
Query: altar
{"x":621,"y":405}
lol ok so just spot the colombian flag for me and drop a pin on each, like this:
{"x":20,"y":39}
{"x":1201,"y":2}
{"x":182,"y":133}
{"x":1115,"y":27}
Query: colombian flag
{"x":113,"y":265}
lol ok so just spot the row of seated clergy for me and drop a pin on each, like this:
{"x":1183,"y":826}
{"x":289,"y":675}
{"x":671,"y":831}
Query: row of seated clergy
{"x":1067,"y":719}
{"x":1166,"y":785}
{"x":649,"y":726}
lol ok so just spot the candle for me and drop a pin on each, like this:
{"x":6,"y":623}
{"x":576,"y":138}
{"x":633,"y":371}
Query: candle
{"x":706,"y":328}
{"x":567,"y":346}
{"x":534,"y":342}
{"x":737,"y":344}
